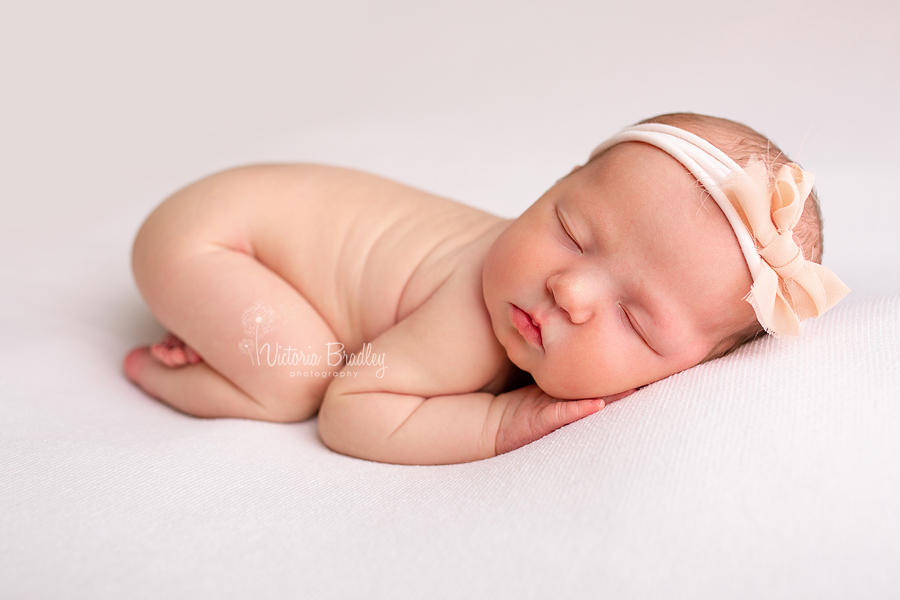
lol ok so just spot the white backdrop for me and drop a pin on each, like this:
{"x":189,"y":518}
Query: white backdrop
{"x":107,"y":107}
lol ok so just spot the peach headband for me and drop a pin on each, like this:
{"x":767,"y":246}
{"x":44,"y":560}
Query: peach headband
{"x":786,"y":288}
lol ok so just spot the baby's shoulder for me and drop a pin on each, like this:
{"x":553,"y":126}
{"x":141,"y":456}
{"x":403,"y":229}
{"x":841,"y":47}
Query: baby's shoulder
{"x":443,"y":327}
{"x":422,"y":242}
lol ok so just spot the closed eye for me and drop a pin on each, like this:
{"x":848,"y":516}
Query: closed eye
{"x":629,"y":322}
{"x":568,"y":233}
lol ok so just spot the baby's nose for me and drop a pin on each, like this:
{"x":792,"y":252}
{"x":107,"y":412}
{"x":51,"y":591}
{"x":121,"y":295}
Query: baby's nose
{"x":574,"y":294}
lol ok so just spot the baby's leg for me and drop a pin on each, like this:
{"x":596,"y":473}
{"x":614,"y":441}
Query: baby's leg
{"x":195,"y":268}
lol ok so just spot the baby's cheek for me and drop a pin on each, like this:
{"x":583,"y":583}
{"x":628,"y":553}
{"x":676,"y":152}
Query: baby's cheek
{"x":588,"y":377}
{"x":566,"y":386}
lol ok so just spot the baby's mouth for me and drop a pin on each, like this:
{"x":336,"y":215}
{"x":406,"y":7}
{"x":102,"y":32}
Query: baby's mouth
{"x":526,"y":326}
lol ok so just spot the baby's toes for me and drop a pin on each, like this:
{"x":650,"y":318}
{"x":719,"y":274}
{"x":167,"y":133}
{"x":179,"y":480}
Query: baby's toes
{"x":168,"y":355}
{"x":173,"y":352}
{"x":170,"y":340}
{"x":191,"y":356}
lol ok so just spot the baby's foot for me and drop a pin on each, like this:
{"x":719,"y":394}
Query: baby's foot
{"x":173,"y":352}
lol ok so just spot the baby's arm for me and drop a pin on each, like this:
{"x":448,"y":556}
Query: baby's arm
{"x":421,"y":410}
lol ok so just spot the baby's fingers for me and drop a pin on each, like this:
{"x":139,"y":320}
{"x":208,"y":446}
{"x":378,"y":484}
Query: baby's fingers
{"x":531,"y":418}
{"x":563,"y":412}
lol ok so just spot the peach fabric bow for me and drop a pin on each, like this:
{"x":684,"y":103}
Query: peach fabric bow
{"x":788,"y":288}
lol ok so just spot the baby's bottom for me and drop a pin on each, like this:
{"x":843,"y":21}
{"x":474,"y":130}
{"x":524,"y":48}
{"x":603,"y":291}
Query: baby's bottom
{"x":193,"y":264}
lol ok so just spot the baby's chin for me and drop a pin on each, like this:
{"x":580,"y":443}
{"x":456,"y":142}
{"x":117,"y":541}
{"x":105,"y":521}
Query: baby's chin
{"x":567,"y":390}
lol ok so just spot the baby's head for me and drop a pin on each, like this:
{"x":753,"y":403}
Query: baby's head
{"x":742,"y":144}
{"x":637,"y":265}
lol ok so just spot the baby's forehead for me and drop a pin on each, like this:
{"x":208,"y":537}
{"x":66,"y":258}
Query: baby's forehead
{"x":650,"y":185}
{"x":644,"y":162}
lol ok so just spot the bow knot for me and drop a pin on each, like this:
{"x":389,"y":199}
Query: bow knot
{"x":788,"y":288}
{"x":783,"y":254}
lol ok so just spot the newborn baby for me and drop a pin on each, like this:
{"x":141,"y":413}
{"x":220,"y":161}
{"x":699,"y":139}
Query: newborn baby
{"x":424,"y":331}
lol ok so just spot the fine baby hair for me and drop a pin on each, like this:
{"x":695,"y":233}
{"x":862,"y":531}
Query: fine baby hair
{"x":770,"y":203}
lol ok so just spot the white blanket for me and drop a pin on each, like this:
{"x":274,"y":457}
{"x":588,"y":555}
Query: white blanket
{"x":769,"y":473}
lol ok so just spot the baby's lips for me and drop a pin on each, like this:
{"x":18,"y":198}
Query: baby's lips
{"x":526,"y":326}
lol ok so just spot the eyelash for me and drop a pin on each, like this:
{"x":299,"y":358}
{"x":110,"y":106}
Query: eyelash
{"x":630,"y":324}
{"x":626,"y":317}
{"x":568,"y":233}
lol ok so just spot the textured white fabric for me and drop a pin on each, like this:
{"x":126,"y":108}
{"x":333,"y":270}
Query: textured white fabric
{"x":770,"y":473}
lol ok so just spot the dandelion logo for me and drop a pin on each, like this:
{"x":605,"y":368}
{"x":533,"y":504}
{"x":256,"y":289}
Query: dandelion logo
{"x":258,"y":321}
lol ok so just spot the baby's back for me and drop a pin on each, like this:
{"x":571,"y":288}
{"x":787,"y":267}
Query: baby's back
{"x":364,"y":251}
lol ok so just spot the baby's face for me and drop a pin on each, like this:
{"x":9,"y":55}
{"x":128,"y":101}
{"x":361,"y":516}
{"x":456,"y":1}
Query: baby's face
{"x":622,"y":274}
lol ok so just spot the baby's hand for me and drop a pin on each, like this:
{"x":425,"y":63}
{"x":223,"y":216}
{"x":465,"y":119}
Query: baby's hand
{"x":530,"y":414}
